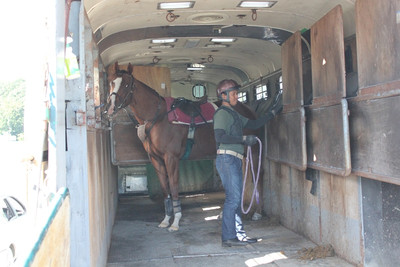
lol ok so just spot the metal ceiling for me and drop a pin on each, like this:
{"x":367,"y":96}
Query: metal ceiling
{"x":124,"y":28}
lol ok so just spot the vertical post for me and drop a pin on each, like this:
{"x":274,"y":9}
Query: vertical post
{"x":56,"y":130}
{"x":76,"y":138}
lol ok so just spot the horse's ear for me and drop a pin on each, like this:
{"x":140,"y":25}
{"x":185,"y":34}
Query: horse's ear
{"x":130,"y":68}
{"x":116,"y":67}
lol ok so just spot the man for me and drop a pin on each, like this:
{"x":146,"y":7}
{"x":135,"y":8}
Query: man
{"x":228,"y":130}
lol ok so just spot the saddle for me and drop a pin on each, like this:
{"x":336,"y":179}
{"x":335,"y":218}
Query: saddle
{"x":189,"y":107}
{"x":185,"y":111}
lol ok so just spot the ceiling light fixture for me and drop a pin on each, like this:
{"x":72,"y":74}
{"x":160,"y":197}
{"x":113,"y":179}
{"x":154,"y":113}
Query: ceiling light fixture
{"x":175,"y":5}
{"x":257,"y":4}
{"x":163,"y":41}
{"x":161,"y":46}
{"x":195,"y":66}
{"x":171,"y":6}
{"x":223,"y":40}
{"x":216,"y":45}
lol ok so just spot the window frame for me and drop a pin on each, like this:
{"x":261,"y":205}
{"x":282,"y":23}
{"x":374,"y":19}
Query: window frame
{"x":263,"y":92}
{"x":243,"y":97}
{"x":194,"y":90}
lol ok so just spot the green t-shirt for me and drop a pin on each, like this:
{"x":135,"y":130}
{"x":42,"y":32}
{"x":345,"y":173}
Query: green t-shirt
{"x":224,"y":120}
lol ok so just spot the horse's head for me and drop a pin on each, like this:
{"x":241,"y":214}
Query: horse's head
{"x":121,"y":88}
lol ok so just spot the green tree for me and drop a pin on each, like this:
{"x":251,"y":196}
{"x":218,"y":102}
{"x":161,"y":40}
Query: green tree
{"x":12,"y":103}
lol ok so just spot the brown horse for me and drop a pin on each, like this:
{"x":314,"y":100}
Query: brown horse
{"x":164,"y":142}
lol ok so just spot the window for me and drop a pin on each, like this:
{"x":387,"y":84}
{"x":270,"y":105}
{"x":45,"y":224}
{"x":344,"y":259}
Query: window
{"x":198,"y":90}
{"x":242,"y":97}
{"x":280,"y":83}
{"x":17,"y":207}
{"x":261,"y":92}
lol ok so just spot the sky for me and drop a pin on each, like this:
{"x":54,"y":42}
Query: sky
{"x":19,"y":27}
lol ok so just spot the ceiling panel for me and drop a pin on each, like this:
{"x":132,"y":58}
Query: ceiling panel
{"x":123,"y":30}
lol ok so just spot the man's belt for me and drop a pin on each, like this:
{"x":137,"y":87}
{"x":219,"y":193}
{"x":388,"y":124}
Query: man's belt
{"x":230,"y":152}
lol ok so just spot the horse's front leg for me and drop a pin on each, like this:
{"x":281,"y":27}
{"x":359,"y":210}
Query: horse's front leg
{"x":172,"y":166}
{"x":162,"y":176}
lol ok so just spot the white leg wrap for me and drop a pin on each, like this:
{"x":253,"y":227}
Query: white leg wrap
{"x":175,"y":225}
{"x":165,"y":222}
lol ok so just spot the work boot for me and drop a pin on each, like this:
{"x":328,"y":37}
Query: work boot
{"x":233,"y":242}
{"x":240,"y":233}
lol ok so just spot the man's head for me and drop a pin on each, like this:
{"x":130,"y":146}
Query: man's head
{"x":227,"y":90}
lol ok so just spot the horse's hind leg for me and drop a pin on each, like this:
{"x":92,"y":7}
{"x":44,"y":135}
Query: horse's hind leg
{"x":172,"y":166}
{"x":162,"y":176}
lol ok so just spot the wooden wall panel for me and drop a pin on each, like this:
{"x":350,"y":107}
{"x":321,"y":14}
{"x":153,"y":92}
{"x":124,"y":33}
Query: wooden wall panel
{"x":53,"y":247}
{"x":327,"y":126}
{"x":292,"y":72}
{"x":158,"y":78}
{"x":327,"y":57}
{"x":286,"y":139}
{"x":273,"y":139}
{"x":378,"y":41}
{"x":102,"y":178}
{"x":126,"y":147}
{"x":375,"y":138}
{"x":328,"y":141}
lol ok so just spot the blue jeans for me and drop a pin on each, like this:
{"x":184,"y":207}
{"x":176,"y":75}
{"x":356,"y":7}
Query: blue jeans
{"x":230,"y":170}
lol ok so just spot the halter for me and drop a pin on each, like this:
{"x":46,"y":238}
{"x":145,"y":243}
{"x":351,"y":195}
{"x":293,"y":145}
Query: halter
{"x":129,"y":94}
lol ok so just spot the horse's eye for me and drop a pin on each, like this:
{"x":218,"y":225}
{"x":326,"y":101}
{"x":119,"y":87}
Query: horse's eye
{"x":126,"y":85}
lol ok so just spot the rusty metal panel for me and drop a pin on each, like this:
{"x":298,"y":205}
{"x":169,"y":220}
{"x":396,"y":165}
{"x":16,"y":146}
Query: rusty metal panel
{"x":378,"y":41}
{"x":126,"y":147}
{"x":328,"y":141}
{"x":375,"y":138}
{"x":286,"y":139}
{"x":292,"y":71}
{"x":327,"y":57}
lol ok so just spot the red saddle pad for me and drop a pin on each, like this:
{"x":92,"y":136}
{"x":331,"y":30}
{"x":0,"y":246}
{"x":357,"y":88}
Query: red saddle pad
{"x":178,"y":116}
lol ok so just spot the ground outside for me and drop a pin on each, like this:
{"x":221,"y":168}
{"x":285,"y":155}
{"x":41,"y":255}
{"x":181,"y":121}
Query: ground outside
{"x":137,"y":240}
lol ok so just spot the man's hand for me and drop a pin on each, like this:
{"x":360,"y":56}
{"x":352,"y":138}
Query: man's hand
{"x":249,"y":140}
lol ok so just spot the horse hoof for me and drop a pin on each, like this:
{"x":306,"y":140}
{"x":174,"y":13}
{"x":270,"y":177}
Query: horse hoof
{"x":256,"y":216}
{"x":173,"y":229}
{"x":163,"y":225}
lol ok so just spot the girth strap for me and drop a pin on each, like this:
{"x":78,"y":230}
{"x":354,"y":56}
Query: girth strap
{"x":189,"y":142}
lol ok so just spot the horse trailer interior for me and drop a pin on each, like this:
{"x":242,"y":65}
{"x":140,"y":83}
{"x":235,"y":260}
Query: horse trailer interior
{"x":330,"y":162}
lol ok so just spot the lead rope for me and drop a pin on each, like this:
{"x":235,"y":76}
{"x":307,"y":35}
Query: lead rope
{"x":255,"y":179}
